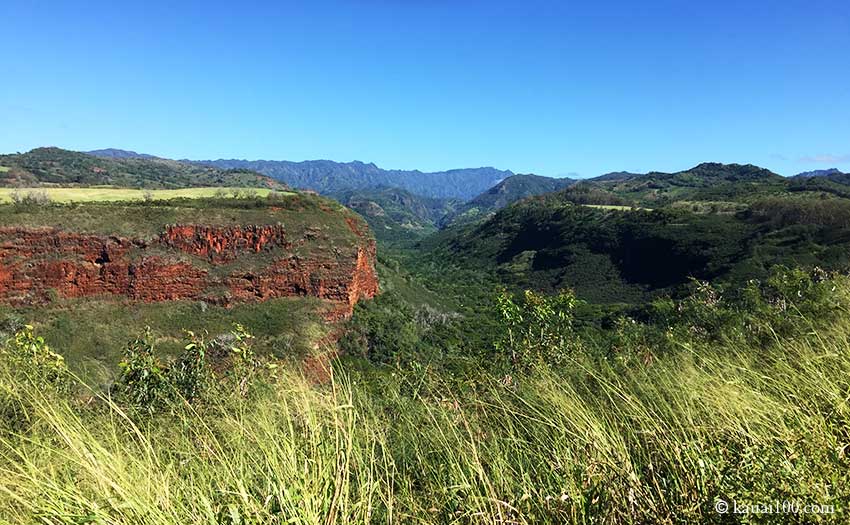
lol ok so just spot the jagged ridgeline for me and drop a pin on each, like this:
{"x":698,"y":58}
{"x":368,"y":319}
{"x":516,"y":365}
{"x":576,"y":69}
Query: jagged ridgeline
{"x":59,"y":167}
{"x":90,"y":275}
{"x":327,"y":177}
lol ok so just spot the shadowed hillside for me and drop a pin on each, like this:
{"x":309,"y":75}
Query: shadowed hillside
{"x":618,"y":255}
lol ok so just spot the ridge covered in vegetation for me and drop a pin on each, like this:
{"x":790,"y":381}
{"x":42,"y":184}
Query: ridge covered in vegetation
{"x":396,"y":215}
{"x":58,"y":167}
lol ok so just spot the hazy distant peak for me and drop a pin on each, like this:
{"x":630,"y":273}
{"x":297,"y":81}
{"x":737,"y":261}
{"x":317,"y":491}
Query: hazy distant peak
{"x":818,"y":173}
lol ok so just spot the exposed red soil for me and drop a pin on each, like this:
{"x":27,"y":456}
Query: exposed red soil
{"x":36,"y":263}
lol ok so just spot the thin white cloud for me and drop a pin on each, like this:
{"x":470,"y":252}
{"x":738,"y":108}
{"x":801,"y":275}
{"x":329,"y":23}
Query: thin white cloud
{"x":825,"y":158}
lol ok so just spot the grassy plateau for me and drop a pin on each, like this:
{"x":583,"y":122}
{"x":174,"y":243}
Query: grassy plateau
{"x":100,"y":194}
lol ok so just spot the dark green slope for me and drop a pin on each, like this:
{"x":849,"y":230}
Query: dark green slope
{"x":55,"y":166}
{"x":616,"y":175}
{"x":609,"y":256}
{"x":830,"y":181}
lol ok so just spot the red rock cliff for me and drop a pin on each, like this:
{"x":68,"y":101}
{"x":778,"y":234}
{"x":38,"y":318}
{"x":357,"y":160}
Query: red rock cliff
{"x":184,"y":262}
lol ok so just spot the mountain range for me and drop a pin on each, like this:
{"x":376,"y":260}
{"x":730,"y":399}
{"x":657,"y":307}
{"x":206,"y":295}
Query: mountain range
{"x":720,"y":220}
{"x":326,"y":176}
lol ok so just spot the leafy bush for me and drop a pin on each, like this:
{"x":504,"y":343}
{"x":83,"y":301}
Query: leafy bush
{"x":538,"y":328}
{"x":189,"y":375}
{"x":244,"y":365}
{"x":143,"y":383}
{"x":149,"y":385}
{"x":31,"y":359}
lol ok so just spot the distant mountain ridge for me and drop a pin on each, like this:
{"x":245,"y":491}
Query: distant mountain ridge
{"x":325,"y":176}
{"x":706,"y":181}
{"x":818,"y":173}
{"x":113,"y":153}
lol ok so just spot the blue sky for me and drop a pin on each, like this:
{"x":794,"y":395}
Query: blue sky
{"x":552,"y":88}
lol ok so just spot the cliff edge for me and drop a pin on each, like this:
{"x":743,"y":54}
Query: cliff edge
{"x":305,"y":246}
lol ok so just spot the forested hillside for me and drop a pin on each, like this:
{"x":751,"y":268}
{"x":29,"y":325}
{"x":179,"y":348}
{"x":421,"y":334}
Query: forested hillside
{"x":395,"y":214}
{"x":705,"y":182}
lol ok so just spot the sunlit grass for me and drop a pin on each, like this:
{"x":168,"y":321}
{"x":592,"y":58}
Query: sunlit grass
{"x":614,"y":207}
{"x":654,"y":443}
{"x":96,"y":194}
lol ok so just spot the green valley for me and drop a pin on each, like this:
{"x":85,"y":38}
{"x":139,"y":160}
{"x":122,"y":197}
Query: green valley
{"x":549,"y":351}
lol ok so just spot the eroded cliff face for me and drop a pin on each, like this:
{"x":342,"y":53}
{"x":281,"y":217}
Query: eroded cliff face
{"x":221,"y":265}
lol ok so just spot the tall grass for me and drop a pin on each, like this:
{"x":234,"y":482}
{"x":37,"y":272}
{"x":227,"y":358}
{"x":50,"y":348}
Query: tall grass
{"x":656,"y":442}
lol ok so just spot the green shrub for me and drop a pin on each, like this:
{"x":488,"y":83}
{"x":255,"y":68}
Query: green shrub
{"x":538,"y":328}
{"x":190,"y":376}
{"x":244,"y":364}
{"x":383,"y":330}
{"x":29,"y":358}
{"x":148,"y":385}
{"x":143,"y":383}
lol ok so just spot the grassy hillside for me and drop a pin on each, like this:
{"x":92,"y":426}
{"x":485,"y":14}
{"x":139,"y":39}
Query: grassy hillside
{"x":146,"y":218}
{"x":58,"y":167}
{"x":91,"y":334}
